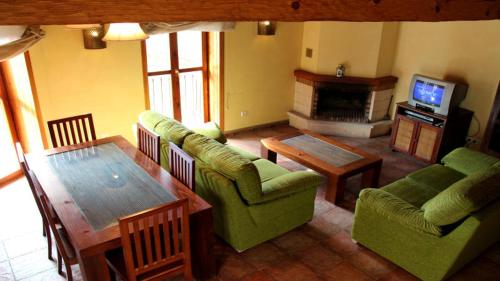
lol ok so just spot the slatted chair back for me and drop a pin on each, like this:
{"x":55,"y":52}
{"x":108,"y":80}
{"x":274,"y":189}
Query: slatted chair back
{"x":72,"y":130}
{"x":156,"y":242}
{"x":182,"y":166}
{"x":149,"y":143}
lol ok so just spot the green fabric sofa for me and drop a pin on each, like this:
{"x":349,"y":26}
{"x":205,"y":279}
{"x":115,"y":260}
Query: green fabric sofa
{"x":435,"y":220}
{"x":253,"y":199}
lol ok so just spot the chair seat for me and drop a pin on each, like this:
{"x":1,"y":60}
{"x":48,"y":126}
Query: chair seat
{"x":116,"y":262}
{"x":70,"y":251}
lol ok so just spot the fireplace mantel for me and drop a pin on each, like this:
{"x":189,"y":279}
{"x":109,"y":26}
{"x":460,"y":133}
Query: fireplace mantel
{"x":379,"y":83}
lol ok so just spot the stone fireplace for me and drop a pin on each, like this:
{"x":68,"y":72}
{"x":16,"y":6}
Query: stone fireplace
{"x":347,"y":106}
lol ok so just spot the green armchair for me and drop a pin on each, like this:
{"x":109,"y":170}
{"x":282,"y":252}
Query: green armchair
{"x":435,"y":220}
{"x":253,"y":199}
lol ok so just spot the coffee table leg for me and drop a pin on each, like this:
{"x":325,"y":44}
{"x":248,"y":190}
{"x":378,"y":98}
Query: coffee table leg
{"x":371,"y":177}
{"x":335,"y":188}
{"x":267,"y":154}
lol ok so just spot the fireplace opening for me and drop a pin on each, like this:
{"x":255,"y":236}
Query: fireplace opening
{"x":342,"y":102}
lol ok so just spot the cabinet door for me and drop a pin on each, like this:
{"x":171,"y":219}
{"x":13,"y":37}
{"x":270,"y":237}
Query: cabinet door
{"x":427,"y":142}
{"x":404,"y":129}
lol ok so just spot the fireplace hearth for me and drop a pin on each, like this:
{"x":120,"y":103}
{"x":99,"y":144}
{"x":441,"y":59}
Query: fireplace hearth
{"x":347,"y":106}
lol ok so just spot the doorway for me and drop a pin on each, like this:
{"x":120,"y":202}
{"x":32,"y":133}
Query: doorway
{"x":177,"y":73}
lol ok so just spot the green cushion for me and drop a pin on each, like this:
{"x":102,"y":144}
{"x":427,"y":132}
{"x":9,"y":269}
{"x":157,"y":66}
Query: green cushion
{"x":394,"y":208}
{"x":463,"y":197}
{"x":227,"y":162}
{"x":411,"y":191}
{"x":171,"y":130}
{"x":288,"y":184}
{"x":242,"y":152}
{"x":468,"y":161}
{"x":268,"y":170}
{"x":437,"y":177}
{"x":497,"y":165}
{"x":211,"y":130}
{"x":150,"y":119}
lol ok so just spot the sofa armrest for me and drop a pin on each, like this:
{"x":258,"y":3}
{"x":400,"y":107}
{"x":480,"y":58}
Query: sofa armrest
{"x":211,"y":130}
{"x":396,"y":209}
{"x":288,"y":184}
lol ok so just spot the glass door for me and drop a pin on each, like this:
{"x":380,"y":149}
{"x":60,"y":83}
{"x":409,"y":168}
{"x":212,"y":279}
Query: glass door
{"x":9,"y":165}
{"x":177,"y":69}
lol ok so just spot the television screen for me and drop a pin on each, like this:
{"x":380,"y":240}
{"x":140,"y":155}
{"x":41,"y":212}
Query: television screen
{"x":428,"y":93}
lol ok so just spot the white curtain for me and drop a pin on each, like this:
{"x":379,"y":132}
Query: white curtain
{"x":152,"y":28}
{"x":15,"y":40}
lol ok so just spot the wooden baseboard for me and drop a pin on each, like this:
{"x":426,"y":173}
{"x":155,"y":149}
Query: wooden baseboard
{"x":251,"y":128}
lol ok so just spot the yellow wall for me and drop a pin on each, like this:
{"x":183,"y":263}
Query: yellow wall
{"x":71,"y":80}
{"x":258,"y":73}
{"x":366,"y":49}
{"x":465,"y":50}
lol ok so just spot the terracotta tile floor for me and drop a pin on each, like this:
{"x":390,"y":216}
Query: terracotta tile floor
{"x":319,"y":250}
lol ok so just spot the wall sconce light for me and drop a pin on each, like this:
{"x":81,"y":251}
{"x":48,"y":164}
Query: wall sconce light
{"x":266,"y":27}
{"x":125,"y":32}
{"x":92,"y":38}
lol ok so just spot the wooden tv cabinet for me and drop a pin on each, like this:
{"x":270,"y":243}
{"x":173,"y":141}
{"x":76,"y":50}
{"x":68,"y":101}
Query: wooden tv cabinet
{"x":428,"y":136}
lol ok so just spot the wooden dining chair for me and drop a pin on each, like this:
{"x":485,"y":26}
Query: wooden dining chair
{"x":72,"y":130}
{"x":182,"y":166}
{"x":155,"y":244}
{"x":28,"y":174}
{"x":148,"y":143}
{"x":65,"y":251}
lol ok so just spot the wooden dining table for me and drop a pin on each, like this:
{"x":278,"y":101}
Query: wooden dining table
{"x":91,"y":185}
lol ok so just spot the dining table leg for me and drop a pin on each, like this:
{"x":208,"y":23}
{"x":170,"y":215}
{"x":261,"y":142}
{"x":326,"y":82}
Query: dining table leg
{"x":94,"y":268}
{"x":202,"y":240}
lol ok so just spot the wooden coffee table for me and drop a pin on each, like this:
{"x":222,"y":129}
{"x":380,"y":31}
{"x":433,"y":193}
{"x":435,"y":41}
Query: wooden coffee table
{"x":336,"y":160}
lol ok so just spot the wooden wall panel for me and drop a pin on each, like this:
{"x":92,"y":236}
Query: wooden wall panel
{"x":102,"y":11}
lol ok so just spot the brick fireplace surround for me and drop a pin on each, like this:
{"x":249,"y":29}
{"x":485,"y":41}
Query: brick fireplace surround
{"x":347,"y":106}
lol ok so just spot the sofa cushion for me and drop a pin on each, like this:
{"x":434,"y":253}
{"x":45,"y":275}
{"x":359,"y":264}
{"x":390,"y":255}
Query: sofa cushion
{"x":227,"y":162}
{"x":411,"y":191}
{"x":268,"y":170}
{"x":463,"y":197}
{"x":171,"y":130}
{"x":211,"y":130}
{"x":150,"y":119}
{"x":468,"y":161}
{"x":242,"y":152}
{"x":437,"y":177}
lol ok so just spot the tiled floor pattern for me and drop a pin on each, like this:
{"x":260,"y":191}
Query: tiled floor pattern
{"x":319,"y":250}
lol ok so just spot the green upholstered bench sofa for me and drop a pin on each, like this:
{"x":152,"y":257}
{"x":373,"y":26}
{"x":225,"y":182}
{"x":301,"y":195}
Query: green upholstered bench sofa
{"x":435,"y":220}
{"x":253,"y":199}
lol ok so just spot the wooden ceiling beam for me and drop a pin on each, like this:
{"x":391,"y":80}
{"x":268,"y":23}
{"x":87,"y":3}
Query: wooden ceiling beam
{"x":105,"y":11}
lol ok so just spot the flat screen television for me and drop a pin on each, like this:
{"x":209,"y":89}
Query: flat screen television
{"x":434,"y":95}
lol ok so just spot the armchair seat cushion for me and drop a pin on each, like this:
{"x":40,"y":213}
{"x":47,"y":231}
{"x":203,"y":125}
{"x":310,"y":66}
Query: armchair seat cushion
{"x":437,"y":177}
{"x":411,"y":191}
{"x":268,"y":170}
